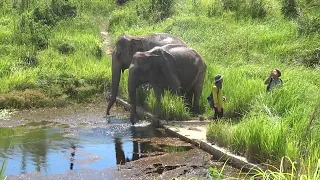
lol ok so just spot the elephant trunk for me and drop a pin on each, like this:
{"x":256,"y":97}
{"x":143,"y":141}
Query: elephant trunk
{"x":116,"y":73}
{"x":132,"y":86}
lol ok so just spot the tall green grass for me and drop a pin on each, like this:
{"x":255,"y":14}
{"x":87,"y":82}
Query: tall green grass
{"x":2,"y":170}
{"x":233,"y":42}
{"x":70,"y":67}
{"x":245,"y":49}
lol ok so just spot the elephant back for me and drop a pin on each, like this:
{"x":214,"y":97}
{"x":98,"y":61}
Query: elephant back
{"x":186,"y":62}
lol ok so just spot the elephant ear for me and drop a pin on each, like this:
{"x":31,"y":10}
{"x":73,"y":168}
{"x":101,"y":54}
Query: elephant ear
{"x":143,"y":60}
{"x":121,"y":44}
{"x":165,"y":63}
{"x":136,"y":45}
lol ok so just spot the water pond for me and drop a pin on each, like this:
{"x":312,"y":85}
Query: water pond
{"x":78,"y":141}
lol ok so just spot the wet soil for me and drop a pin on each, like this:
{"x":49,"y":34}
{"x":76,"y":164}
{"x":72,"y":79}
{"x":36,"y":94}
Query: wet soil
{"x":77,"y":142}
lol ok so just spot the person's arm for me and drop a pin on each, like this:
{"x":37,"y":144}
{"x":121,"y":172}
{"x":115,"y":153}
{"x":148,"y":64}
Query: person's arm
{"x":267,"y":80}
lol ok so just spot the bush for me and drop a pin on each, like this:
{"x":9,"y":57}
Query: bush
{"x":30,"y":60}
{"x":173,"y":107}
{"x":98,"y":52}
{"x":65,"y":48}
{"x":289,"y":9}
{"x":257,"y":9}
{"x":24,"y":99}
{"x":232,"y":5}
{"x":243,"y":8}
{"x":57,"y":11}
{"x":161,"y":9}
{"x":308,"y":25}
{"x":311,"y":58}
{"x":30,"y":32}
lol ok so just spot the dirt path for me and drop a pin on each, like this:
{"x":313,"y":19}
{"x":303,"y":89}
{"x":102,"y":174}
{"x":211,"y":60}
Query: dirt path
{"x":107,"y":46}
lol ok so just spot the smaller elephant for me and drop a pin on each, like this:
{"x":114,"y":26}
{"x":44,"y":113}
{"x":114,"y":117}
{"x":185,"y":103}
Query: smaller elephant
{"x":173,"y":66}
{"x":126,"y":47}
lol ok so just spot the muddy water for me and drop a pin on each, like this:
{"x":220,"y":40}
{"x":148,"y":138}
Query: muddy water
{"x":78,"y":142}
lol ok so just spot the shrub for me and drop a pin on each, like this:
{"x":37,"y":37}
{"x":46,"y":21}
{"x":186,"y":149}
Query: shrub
{"x":289,"y":9}
{"x":30,"y":60}
{"x":173,"y":107}
{"x":30,"y":32}
{"x":311,"y":58}
{"x":65,"y":48}
{"x":161,"y":9}
{"x":232,"y":5}
{"x":24,"y":99}
{"x":142,"y":95}
{"x":57,"y":11}
{"x":257,"y":9}
{"x":308,"y":25}
{"x":98,"y":52}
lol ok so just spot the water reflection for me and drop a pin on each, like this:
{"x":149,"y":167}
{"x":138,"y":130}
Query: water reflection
{"x":47,"y":148}
{"x":73,"y":152}
{"x":120,"y":159}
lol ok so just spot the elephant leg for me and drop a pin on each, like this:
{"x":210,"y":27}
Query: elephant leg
{"x":197,"y":92}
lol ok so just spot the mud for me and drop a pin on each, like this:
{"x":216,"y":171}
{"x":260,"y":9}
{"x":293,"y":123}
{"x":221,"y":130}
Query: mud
{"x":77,"y":142}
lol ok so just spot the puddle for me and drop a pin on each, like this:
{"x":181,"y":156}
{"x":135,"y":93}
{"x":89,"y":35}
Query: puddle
{"x":75,"y":142}
{"x":52,"y":148}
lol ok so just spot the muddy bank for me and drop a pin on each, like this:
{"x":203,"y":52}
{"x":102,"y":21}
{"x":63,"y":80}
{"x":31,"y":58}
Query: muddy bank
{"x":78,"y":142}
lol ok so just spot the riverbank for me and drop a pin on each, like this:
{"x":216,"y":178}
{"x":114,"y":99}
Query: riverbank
{"x":78,"y":142}
{"x":50,"y":58}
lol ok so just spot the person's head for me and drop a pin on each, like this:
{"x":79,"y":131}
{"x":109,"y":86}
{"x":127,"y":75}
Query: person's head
{"x":218,"y":79}
{"x":276,"y":72}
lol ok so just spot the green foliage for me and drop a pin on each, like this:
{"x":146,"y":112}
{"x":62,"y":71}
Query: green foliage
{"x":65,"y":48}
{"x":161,"y":9}
{"x":30,"y":42}
{"x":289,"y":9}
{"x":98,"y":51}
{"x":30,"y":60}
{"x":310,"y":58}
{"x":173,"y":107}
{"x":257,"y":8}
{"x":3,"y":168}
{"x":308,"y":24}
{"x":220,"y":129}
{"x":24,"y":99}
{"x":30,"y":32}
{"x":142,"y":95}
{"x":56,"y":11}
{"x":243,"y":50}
{"x":215,"y":174}
{"x":287,"y":169}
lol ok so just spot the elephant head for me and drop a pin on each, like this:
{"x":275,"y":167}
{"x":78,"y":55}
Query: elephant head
{"x":126,"y":47}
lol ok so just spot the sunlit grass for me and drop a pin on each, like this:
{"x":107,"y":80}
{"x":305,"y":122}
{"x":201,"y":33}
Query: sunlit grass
{"x":3,"y":169}
{"x":244,"y":50}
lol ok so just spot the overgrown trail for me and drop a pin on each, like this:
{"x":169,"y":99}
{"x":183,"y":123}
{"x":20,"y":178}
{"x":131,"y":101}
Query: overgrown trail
{"x":107,"y":47}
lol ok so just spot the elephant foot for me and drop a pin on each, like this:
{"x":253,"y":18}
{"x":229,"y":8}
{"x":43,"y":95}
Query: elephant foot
{"x":195,"y":111}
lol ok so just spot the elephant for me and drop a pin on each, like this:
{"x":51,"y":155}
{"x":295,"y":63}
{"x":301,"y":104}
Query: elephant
{"x":126,"y":46}
{"x":175,"y":67}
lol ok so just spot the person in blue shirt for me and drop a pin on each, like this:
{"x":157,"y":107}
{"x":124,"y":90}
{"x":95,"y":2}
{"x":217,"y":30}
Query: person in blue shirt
{"x":273,"y":80}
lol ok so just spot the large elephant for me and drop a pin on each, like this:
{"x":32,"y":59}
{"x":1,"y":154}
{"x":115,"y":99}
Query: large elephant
{"x":173,"y":66}
{"x":126,"y":47}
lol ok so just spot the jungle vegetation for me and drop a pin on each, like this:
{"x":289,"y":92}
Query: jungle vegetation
{"x":51,"y":54}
